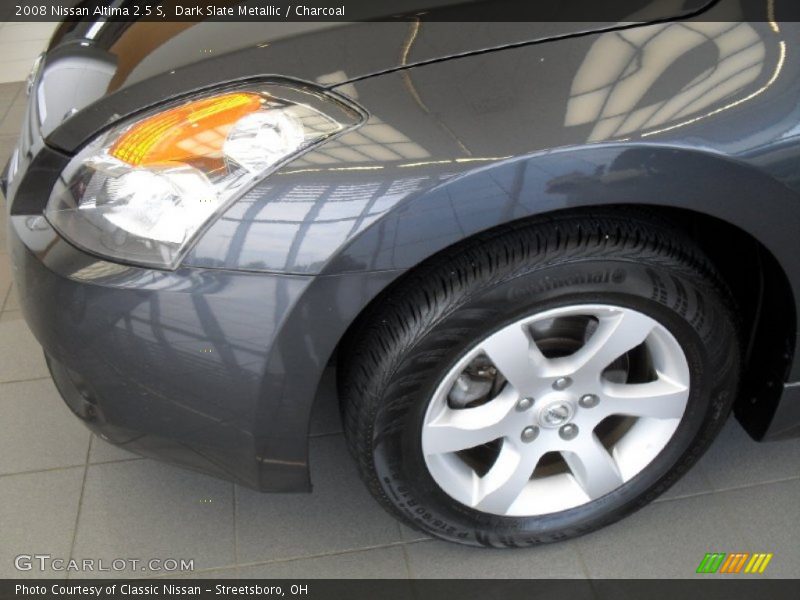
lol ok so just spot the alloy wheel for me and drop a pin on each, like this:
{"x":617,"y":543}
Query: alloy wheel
{"x":555,"y":410}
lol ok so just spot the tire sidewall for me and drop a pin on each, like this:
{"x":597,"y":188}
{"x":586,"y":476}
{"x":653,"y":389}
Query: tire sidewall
{"x":678,"y":299}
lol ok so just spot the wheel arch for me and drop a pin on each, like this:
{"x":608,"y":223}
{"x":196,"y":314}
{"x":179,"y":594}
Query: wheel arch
{"x":744,"y":219}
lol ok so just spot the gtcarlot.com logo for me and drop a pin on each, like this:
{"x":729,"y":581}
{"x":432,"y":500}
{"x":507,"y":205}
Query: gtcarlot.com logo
{"x":734,"y":563}
{"x":46,"y":562}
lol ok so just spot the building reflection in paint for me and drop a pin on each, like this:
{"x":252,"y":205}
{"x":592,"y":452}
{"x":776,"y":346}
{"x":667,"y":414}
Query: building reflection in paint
{"x":626,"y":85}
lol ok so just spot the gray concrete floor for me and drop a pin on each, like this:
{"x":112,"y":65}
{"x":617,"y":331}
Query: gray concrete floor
{"x":66,"y":493}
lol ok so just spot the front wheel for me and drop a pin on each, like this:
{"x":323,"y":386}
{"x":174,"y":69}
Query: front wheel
{"x":541,"y":382}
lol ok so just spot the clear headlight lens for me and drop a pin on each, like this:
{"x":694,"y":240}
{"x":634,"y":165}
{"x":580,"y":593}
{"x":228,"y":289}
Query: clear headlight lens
{"x":142,"y":191}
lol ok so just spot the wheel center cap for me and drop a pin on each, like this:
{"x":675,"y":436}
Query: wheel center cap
{"x":555,"y":414}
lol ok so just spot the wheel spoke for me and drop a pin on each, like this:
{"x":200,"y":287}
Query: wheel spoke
{"x":615,"y":335}
{"x":593,"y":468}
{"x":459,"y":429}
{"x":516,"y":356}
{"x":497,"y":490}
{"x":660,"y":399}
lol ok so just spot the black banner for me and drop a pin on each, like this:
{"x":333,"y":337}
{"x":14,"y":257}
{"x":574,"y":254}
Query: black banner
{"x":703,"y":587}
{"x":614,"y":11}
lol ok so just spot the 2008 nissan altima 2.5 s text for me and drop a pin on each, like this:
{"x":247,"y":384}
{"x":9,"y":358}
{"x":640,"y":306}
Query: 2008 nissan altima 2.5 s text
{"x":545,"y":261}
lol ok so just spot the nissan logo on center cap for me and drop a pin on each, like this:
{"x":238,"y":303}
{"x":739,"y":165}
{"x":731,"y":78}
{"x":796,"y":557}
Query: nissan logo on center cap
{"x":556,"y":415}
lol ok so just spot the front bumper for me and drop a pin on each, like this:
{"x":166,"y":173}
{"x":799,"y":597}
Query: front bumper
{"x":168,"y":364}
{"x":212,"y":368}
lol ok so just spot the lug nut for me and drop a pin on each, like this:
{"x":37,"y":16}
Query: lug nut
{"x":562,"y":383}
{"x":524,"y":404}
{"x":529,"y":434}
{"x":589,"y":401}
{"x":568,"y":431}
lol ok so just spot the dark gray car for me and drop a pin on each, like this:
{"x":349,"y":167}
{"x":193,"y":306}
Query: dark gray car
{"x":543,"y":260}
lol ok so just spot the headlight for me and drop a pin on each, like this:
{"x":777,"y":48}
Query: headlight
{"x":142,"y":192}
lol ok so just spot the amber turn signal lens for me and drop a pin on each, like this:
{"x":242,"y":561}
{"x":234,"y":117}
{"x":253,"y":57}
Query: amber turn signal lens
{"x":196,"y":129}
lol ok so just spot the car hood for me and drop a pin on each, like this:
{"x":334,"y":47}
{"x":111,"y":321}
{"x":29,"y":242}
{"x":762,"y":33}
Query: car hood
{"x":95,"y":73}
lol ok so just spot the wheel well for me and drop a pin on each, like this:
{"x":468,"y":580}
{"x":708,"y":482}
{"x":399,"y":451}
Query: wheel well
{"x":757,"y":282}
{"x":766,"y":309}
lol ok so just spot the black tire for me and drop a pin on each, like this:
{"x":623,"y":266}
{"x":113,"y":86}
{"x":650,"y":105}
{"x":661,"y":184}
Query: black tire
{"x":411,"y":337}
